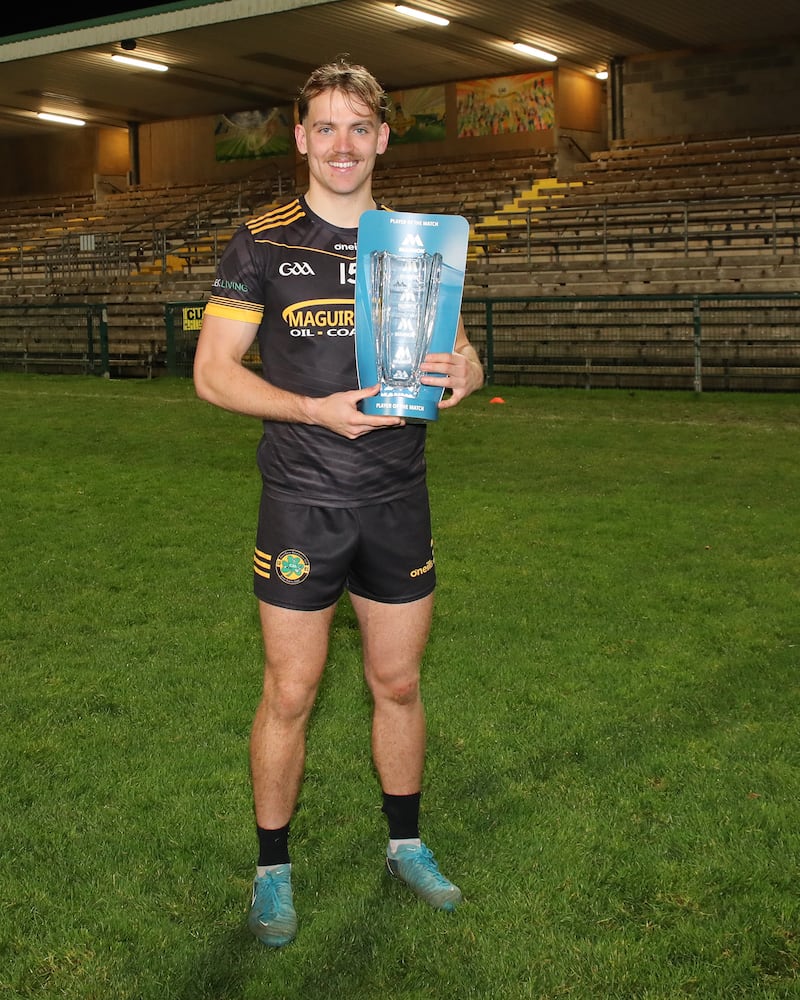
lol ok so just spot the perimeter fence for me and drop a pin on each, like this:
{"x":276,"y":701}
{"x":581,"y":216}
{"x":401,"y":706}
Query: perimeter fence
{"x":55,"y":338}
{"x":719,"y":342}
{"x":695,"y":342}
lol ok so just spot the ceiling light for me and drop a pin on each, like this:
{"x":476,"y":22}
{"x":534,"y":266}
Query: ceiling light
{"x":140,"y":63}
{"x":421,"y":15}
{"x":61,"y":119}
{"x":529,"y":50}
{"x":602,"y":74}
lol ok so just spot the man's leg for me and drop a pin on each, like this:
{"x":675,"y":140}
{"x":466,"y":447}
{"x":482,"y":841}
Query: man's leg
{"x":394,"y":637}
{"x":295,"y":647}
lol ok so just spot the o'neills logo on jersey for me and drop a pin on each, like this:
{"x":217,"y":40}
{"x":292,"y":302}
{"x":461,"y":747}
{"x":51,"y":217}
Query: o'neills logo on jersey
{"x":321,"y":318}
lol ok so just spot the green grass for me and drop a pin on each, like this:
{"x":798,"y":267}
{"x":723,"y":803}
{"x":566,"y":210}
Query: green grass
{"x":612,"y":692}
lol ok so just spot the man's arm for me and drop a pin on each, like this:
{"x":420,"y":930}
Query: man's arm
{"x":220,"y":378}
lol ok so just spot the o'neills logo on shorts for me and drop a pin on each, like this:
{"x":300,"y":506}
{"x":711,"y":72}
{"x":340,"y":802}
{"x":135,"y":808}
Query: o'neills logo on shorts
{"x":422,"y":569}
{"x":292,"y":566}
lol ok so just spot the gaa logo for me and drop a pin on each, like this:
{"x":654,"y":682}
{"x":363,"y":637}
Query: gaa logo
{"x":295,"y":267}
{"x":292,"y":566}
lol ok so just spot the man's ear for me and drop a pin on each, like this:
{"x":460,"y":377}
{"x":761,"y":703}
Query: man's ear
{"x":383,"y":137}
{"x":300,"y":138}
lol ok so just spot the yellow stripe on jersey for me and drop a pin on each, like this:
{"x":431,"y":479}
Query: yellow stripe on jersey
{"x":306,"y":249}
{"x":277,"y":217}
{"x":262,"y":563}
{"x":243,"y":312}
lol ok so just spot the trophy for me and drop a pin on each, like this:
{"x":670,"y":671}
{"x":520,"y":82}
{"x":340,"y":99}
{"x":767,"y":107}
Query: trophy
{"x":409,"y":279}
{"x":405,"y":295}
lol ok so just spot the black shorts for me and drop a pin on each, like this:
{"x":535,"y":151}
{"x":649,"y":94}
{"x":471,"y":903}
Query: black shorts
{"x":306,"y":556}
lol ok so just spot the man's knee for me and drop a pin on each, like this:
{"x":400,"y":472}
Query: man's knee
{"x":401,"y":688}
{"x":287,"y":699}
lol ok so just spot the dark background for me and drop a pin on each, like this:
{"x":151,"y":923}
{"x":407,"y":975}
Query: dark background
{"x":19,"y":21}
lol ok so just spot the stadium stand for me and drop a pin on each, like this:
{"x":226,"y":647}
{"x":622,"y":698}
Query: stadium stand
{"x":696,"y":216}
{"x":686,"y":217}
{"x":136,"y":250}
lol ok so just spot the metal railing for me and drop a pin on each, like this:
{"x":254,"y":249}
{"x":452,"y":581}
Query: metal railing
{"x":644,"y":229}
{"x":55,"y":337}
{"x":692,"y":342}
{"x":193,"y":231}
{"x":696,"y":342}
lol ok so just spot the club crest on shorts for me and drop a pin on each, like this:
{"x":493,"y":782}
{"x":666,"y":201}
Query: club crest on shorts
{"x":292,"y":566}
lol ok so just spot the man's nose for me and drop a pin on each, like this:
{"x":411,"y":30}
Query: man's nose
{"x":343,"y":139}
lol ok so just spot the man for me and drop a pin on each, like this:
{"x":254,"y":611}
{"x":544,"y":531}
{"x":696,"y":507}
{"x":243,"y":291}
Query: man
{"x":344,"y":502}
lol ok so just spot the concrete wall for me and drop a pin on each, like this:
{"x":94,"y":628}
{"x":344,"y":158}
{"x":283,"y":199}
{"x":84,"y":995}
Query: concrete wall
{"x":182,"y":152}
{"x":64,"y":162}
{"x":582,"y":121}
{"x":730,"y":92}
{"x":727,"y":92}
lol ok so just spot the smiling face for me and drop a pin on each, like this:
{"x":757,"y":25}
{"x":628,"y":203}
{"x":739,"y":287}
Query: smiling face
{"x":341,"y":138}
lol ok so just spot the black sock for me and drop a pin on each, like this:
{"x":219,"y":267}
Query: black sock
{"x":402,"y":811}
{"x":273,"y":846}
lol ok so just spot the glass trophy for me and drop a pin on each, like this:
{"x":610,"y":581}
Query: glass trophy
{"x":405,"y":294}
{"x":409,"y":281}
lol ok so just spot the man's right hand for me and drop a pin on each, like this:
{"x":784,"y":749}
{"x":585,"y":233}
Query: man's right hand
{"x":339,"y":412}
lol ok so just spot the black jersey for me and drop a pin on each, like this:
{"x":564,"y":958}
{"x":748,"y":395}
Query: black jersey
{"x":293,"y":274}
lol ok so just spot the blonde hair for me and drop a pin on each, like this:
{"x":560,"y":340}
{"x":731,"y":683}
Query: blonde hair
{"x":353,"y":80}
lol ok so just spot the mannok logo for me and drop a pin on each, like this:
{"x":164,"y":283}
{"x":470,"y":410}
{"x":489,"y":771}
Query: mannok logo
{"x":412,"y":241}
{"x":321,"y":318}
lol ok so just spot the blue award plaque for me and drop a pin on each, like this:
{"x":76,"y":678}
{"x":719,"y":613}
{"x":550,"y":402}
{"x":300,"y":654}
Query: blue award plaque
{"x":409,"y":281}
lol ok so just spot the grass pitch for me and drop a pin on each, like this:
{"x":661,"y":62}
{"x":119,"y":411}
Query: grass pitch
{"x":612,"y":693}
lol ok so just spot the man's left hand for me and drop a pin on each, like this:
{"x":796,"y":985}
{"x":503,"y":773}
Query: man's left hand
{"x":460,"y":373}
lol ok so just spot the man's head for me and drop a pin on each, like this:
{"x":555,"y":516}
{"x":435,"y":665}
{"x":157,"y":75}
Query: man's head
{"x":355,"y":82}
{"x":341,"y":131}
